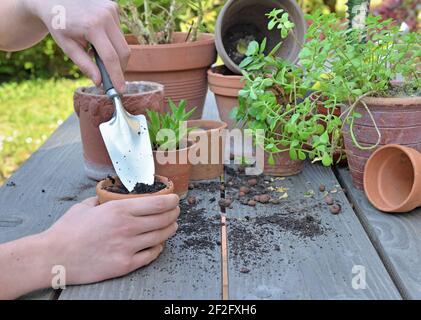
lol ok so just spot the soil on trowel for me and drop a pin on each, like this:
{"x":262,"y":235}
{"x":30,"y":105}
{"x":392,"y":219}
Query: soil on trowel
{"x":140,"y":188}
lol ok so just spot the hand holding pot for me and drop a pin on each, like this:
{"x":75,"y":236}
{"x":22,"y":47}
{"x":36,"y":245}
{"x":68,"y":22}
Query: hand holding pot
{"x":93,"y":243}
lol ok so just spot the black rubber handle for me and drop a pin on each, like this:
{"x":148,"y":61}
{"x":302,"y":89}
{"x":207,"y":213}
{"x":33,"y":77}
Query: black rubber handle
{"x":106,"y":81}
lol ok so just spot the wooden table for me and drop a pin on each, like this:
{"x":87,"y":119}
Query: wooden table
{"x":262,"y":252}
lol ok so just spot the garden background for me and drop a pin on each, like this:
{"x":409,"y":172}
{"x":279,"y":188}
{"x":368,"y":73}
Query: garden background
{"x":36,"y":85}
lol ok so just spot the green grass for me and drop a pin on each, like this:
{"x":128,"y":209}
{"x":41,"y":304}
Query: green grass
{"x":30,"y":111}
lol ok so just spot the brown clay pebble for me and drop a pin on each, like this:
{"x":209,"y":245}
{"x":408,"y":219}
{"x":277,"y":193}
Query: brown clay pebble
{"x":252,"y":182}
{"x":322,"y":188}
{"x":226,"y":203}
{"x":335,"y":209}
{"x":191,"y":200}
{"x":191,"y":186}
{"x":264,"y":198}
{"x":256,"y":198}
{"x":252,"y":203}
{"x":329,"y":200}
{"x":244,"y":270}
{"x":241,"y":194}
{"x":245,"y":190}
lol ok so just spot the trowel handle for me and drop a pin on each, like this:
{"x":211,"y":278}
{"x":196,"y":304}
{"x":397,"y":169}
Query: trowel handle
{"x":106,"y":81}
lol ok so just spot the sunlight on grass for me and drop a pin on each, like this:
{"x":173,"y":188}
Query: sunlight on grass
{"x":30,"y":111}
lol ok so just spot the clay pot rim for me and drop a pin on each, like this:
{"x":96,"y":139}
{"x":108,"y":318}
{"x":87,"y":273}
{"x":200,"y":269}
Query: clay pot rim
{"x":207,"y":39}
{"x":391,"y":102}
{"x":218,"y":125}
{"x":157,"y":89}
{"x":212,"y":73}
{"x":403,"y":149}
{"x":101,"y":192}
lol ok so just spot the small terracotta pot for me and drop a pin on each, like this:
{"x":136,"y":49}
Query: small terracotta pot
{"x":392,"y":179}
{"x":180,"y":66}
{"x":105,"y":196}
{"x":225,"y":85}
{"x":284,"y":166}
{"x":93,"y":108}
{"x":210,"y":139}
{"x":179,"y":171}
{"x":399,"y":121}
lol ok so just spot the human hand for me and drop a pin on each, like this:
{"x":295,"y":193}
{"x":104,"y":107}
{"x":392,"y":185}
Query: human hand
{"x":96,"y":243}
{"x":87,"y":22}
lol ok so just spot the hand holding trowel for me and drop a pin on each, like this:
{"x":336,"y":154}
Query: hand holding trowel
{"x":127,"y":139}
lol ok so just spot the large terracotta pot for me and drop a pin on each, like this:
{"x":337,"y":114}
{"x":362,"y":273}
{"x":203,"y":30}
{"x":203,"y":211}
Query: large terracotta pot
{"x":240,"y":22}
{"x":178,"y":171}
{"x":392,"y":179}
{"x":180,"y":66}
{"x":399,"y":121}
{"x":210,"y":140}
{"x":225,"y":85}
{"x":93,"y":108}
{"x":105,"y":196}
{"x":284,"y":166}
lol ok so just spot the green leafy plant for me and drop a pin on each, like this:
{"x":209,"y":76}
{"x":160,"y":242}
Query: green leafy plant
{"x":173,"y":121}
{"x":351,"y":64}
{"x":154,"y":22}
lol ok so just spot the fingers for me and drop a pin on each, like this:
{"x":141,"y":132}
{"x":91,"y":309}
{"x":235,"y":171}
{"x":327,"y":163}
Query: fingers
{"x":76,"y":52}
{"x":147,"y":206}
{"x":90,"y":202}
{"x":155,"y":222}
{"x":109,"y":56}
{"x":119,"y":43}
{"x":153,"y":238}
{"x":145,"y":257}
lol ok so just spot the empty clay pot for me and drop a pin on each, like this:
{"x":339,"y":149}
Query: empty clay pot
{"x":179,"y":171}
{"x":284,"y":166}
{"x":225,"y":85}
{"x":180,"y":66}
{"x":242,"y":21}
{"x":105,"y":196}
{"x":392,"y":179}
{"x":209,"y":136}
{"x":93,"y":108}
{"x":399,"y":121}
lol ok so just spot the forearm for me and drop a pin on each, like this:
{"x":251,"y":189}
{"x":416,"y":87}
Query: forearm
{"x":24,"y":266}
{"x":20,"y":27}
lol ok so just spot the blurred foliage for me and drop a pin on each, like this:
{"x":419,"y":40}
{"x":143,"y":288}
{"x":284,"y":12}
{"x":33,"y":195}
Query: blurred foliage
{"x":29,"y":112}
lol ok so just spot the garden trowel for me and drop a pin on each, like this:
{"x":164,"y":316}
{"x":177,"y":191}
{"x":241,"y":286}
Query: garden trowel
{"x":127,"y":139}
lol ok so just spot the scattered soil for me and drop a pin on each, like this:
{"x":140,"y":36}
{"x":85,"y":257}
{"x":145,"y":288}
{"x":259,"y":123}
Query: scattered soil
{"x":68,"y":198}
{"x":404,"y":91}
{"x":10,"y":184}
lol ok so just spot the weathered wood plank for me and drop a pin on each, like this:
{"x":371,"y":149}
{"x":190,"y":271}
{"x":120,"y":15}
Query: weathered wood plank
{"x":188,"y":268}
{"x":56,"y":168}
{"x":299,"y":250}
{"x":396,"y":237}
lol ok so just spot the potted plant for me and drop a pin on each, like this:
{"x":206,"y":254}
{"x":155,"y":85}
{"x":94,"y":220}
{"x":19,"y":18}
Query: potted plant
{"x":364,"y":64}
{"x":93,"y":107}
{"x":178,"y":60}
{"x":112,"y":189}
{"x":209,"y":136}
{"x":274,"y":100}
{"x":171,"y":149}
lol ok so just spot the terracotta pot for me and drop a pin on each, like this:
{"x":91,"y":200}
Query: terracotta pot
{"x":399,"y":121}
{"x":210,"y":139}
{"x":93,"y":108}
{"x":179,"y":170}
{"x":106,"y":196}
{"x":240,"y":22}
{"x":180,"y":66}
{"x":284,"y":166}
{"x":392,"y":179}
{"x":225,"y":85}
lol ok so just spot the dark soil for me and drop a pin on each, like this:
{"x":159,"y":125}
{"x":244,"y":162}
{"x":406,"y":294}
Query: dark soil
{"x":404,"y":91}
{"x":140,"y":188}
